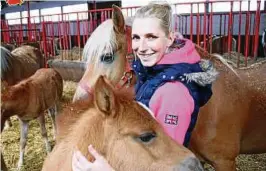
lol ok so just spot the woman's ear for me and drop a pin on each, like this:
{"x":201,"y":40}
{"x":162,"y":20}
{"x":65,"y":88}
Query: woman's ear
{"x":171,"y":38}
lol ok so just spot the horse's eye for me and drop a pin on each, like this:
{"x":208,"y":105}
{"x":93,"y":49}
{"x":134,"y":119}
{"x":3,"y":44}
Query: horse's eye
{"x":147,"y":137}
{"x":107,"y":58}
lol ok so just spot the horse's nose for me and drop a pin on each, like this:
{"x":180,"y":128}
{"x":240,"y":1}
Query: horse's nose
{"x":189,"y":164}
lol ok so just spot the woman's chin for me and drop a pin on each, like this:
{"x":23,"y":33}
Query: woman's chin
{"x":148,"y":63}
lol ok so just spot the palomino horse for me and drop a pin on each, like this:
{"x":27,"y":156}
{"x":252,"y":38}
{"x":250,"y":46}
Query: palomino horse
{"x":121,"y":129}
{"x":105,"y":56}
{"x":29,"y":99}
{"x":219,"y":44}
{"x":233,"y":121}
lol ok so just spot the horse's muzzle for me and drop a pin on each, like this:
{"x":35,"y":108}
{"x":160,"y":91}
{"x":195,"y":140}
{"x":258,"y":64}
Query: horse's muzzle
{"x":189,"y":164}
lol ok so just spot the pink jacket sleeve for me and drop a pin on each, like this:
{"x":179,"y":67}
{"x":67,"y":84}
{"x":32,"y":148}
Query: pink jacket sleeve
{"x":172,"y":106}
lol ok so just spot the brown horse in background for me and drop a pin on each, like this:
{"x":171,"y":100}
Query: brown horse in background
{"x":17,"y":65}
{"x":21,"y":63}
{"x":233,"y":121}
{"x":29,"y":99}
{"x":122,"y":130}
{"x":219,"y":44}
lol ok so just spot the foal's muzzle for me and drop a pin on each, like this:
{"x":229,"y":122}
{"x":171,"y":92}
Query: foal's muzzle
{"x":189,"y":164}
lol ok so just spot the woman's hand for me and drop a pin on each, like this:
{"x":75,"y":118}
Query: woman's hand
{"x":80,"y":163}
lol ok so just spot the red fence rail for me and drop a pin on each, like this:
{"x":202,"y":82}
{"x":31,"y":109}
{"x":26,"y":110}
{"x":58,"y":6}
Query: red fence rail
{"x":242,"y":27}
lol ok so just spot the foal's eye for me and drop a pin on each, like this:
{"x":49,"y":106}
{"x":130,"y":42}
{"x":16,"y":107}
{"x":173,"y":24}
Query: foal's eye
{"x":107,"y":58}
{"x":147,"y":137}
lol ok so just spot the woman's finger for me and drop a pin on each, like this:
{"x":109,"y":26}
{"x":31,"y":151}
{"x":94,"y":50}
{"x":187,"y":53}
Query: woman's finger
{"x":82,"y":159}
{"x":94,"y":153}
{"x":75,"y":163}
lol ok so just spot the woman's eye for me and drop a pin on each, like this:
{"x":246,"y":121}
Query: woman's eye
{"x":151,"y":37}
{"x":107,"y":58}
{"x":147,"y":137}
{"x":135,"y":37}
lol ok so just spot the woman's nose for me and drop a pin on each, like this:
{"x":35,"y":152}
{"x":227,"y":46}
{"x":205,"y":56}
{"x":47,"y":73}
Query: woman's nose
{"x":143,"y":45}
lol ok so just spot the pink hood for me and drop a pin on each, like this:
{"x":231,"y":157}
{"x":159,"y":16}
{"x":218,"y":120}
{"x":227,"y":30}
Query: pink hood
{"x":186,"y":54}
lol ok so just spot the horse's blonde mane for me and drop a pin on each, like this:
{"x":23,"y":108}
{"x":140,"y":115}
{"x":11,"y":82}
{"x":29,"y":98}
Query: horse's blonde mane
{"x":101,"y":41}
{"x":224,"y":62}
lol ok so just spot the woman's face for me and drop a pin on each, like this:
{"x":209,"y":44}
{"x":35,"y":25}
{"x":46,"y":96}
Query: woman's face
{"x":149,"y":41}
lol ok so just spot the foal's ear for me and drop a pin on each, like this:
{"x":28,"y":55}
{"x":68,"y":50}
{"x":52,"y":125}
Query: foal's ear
{"x":118,"y":20}
{"x":104,"y":97}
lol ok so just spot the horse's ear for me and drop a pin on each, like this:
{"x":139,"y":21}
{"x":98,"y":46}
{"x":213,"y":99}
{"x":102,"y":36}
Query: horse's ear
{"x":118,"y":20}
{"x":104,"y":97}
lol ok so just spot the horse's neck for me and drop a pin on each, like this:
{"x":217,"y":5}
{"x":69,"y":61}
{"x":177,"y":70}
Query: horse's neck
{"x":17,"y":105}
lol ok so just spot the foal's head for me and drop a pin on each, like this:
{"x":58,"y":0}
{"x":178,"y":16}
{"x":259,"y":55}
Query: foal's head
{"x":125,"y":132}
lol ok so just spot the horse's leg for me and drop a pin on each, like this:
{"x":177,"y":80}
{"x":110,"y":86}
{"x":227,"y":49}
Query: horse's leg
{"x":8,"y":123}
{"x":222,"y":165}
{"x":53,"y":112}
{"x":41,"y":121}
{"x":24,"y":127}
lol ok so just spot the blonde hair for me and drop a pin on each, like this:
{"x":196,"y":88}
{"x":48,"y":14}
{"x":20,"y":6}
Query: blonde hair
{"x":159,"y":10}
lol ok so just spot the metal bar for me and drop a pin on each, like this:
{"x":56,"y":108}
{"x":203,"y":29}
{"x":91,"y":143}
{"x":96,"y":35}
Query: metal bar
{"x":29,"y":22}
{"x":182,"y":24}
{"x":91,"y":23}
{"x":239,"y":33}
{"x":204,"y":28}
{"x":247,"y":34}
{"x":220,"y":29}
{"x":230,"y":20}
{"x":198,"y":32}
{"x":78,"y":27}
{"x":44,"y":42}
{"x":211,"y":23}
{"x":10,"y":30}
{"x":186,"y":23}
{"x":257,"y":27}
{"x":191,"y":22}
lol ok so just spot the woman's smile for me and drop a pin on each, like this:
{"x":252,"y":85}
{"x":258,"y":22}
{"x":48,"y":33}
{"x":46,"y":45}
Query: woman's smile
{"x":145,"y":56}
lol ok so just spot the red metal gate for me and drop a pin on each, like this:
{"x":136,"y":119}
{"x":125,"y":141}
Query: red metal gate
{"x":242,"y":26}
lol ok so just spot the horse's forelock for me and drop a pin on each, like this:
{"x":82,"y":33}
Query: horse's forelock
{"x":101,"y":41}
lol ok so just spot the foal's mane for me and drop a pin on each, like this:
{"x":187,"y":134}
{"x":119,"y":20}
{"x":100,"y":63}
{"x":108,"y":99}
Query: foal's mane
{"x":102,"y":40}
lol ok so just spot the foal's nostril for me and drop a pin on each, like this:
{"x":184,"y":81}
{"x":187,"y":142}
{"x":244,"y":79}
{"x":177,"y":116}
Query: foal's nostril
{"x":189,"y":164}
